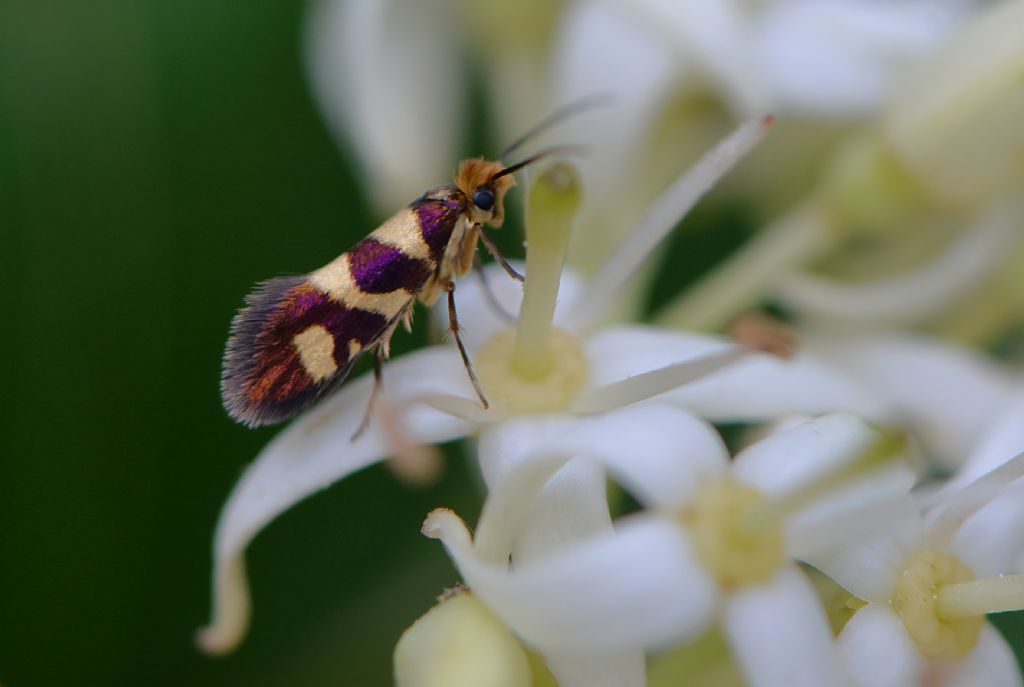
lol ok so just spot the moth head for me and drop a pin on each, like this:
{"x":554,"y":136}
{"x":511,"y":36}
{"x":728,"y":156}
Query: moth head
{"x":485,"y":186}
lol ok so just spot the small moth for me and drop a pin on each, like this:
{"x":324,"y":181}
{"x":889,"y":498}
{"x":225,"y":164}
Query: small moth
{"x":298,"y":338}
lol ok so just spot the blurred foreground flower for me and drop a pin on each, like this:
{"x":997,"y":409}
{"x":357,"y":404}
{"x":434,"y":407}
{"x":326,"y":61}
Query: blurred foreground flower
{"x":717,"y":542}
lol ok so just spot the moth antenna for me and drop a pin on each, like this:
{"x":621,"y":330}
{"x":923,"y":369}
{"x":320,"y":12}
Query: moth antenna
{"x":567,"y":149}
{"x":563,"y":113}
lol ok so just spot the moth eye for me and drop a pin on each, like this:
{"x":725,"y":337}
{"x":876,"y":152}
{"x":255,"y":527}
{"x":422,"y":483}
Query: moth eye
{"x":483,"y":198}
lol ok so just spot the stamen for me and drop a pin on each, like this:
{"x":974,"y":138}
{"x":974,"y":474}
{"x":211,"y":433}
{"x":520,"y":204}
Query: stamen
{"x":977,"y":597}
{"x":662,"y":216}
{"x":648,"y":384}
{"x":550,"y":210}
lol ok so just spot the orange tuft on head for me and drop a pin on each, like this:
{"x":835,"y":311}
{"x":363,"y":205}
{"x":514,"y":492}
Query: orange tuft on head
{"x":480,"y":173}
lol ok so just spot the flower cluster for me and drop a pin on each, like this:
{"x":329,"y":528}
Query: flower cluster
{"x":869,"y":515}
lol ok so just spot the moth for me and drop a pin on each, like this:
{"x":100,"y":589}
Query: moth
{"x":297,"y":338}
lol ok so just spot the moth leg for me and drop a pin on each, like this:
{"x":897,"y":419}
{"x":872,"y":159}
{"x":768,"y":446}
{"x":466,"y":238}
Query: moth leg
{"x":453,"y":328}
{"x":492,"y":300}
{"x":493,"y":250}
{"x":378,"y":382}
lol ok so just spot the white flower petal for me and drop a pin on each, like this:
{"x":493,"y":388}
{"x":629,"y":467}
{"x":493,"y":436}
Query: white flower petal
{"x":597,"y":52}
{"x":1003,"y":438}
{"x":639,"y":587}
{"x":660,"y":454}
{"x":877,"y":651}
{"x":850,"y":511}
{"x":991,"y":540}
{"x":787,"y":462}
{"x":991,"y":664}
{"x":714,"y":34}
{"x":315,"y":451}
{"x":946,"y":394}
{"x":605,"y":669}
{"x":758,"y":388}
{"x":838,"y":58}
{"x":953,"y":507}
{"x":387,"y":77}
{"x":779,"y":635}
{"x":869,"y":568}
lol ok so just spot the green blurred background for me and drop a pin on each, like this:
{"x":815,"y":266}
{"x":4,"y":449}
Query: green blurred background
{"x":158,"y":157}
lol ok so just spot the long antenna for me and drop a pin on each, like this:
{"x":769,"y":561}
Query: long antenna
{"x":567,"y":149}
{"x":572,"y":109}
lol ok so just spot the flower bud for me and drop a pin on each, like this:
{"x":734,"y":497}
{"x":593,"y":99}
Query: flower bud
{"x":459,"y":643}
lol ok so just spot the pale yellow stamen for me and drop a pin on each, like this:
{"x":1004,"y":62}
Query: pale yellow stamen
{"x":916,"y":602}
{"x":738,"y":549}
{"x":977,"y":597}
{"x":538,"y":368}
{"x":554,"y":199}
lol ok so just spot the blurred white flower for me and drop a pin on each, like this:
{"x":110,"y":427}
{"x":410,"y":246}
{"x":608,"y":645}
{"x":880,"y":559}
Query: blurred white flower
{"x":717,"y":543}
{"x":927,"y":589}
{"x":915,"y":216}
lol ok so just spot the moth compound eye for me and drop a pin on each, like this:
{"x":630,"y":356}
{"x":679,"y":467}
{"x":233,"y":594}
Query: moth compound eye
{"x":483,"y":198}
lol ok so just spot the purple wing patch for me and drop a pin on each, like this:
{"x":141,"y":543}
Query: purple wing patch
{"x":264,"y":378}
{"x":437,"y":212}
{"x":379,"y":268}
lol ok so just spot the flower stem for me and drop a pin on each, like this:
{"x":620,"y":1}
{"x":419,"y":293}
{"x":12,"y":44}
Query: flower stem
{"x":552,"y":205}
{"x":740,"y":282}
{"x":978,"y":597}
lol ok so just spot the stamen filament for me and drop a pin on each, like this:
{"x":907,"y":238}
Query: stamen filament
{"x":978,"y":597}
{"x":662,"y":216}
{"x":739,"y":282}
{"x":550,"y":210}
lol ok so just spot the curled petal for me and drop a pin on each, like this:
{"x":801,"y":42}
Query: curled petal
{"x":779,"y":635}
{"x":385,"y":76}
{"x":313,"y":452}
{"x":637,"y":587}
{"x":760,"y":387}
{"x":876,"y":650}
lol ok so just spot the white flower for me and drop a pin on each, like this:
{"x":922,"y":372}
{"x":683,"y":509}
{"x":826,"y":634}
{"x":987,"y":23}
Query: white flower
{"x":717,"y":542}
{"x":927,"y":582}
{"x":588,"y":375}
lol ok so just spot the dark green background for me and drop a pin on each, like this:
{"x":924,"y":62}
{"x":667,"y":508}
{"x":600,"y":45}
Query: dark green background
{"x":157,"y":157}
